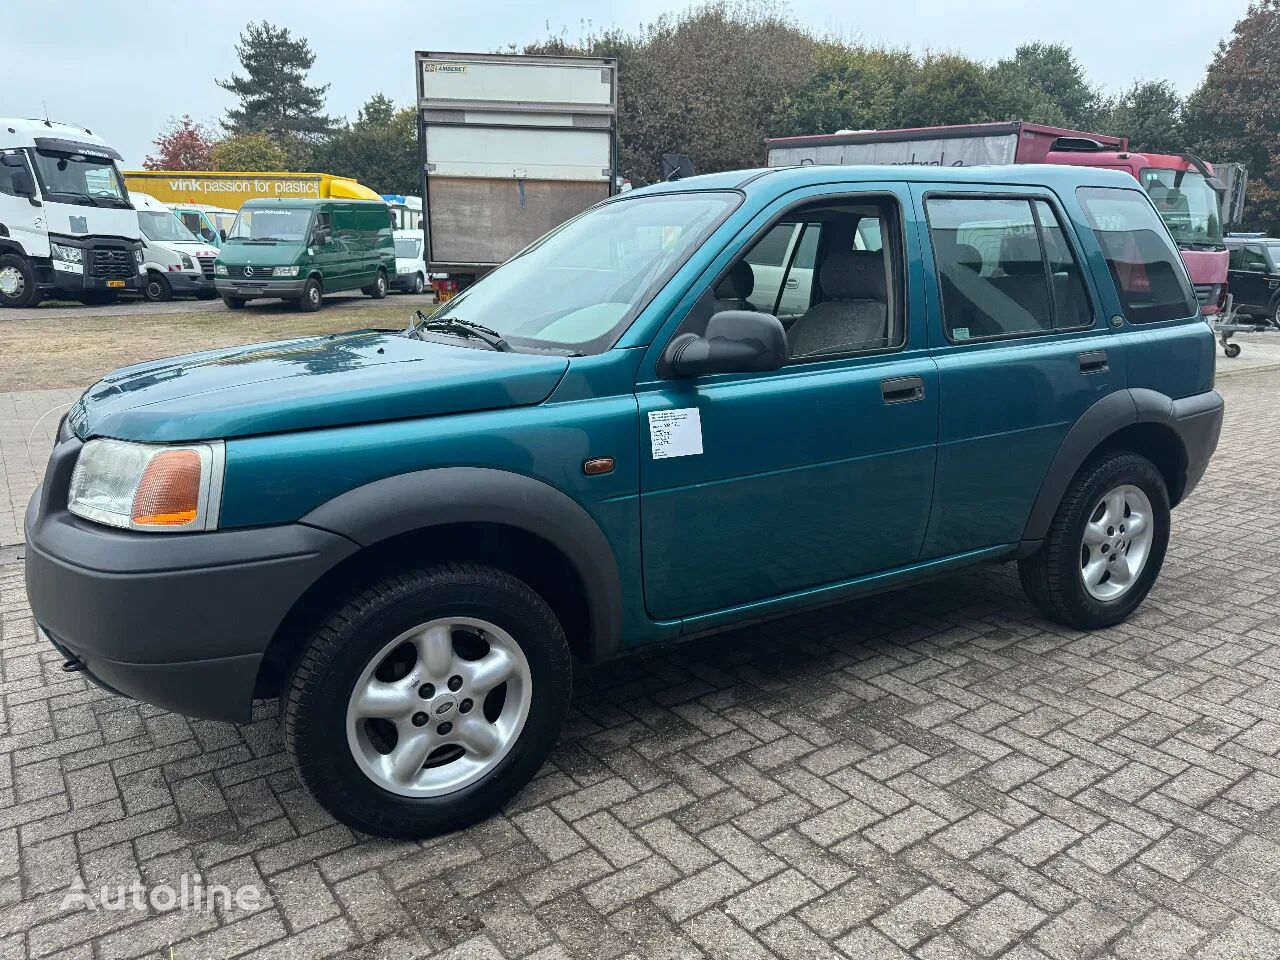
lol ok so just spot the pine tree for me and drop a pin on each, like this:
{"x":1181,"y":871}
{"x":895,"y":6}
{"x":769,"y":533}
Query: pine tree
{"x":274,"y":96}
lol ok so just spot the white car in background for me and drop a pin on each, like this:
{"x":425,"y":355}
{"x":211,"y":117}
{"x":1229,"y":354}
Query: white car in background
{"x":411,"y":269}
{"x":174,"y":261}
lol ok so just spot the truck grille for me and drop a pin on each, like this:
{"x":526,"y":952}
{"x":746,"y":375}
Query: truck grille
{"x":1206,"y":293}
{"x":109,"y":263}
{"x":206,"y":265}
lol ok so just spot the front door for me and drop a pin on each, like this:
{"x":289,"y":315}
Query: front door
{"x":1253,"y":282}
{"x":1023,"y":349}
{"x":756,"y":486}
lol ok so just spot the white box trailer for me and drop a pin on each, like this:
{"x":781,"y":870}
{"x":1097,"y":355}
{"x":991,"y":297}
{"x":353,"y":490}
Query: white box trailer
{"x":510,"y":147}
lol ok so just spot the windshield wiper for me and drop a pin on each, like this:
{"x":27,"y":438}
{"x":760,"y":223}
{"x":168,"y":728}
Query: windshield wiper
{"x":462,"y":328}
{"x":76,"y":193}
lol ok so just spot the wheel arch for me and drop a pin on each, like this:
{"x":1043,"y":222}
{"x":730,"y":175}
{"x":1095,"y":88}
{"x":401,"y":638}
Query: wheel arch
{"x":1135,"y":419}
{"x":9,"y":245}
{"x":482,"y":515}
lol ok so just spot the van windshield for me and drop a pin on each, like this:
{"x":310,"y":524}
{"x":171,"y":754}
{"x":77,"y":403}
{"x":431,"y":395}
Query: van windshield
{"x":279,"y":224}
{"x":1187,"y":205}
{"x":408,"y":248}
{"x":161,"y":227}
{"x":580,"y":285}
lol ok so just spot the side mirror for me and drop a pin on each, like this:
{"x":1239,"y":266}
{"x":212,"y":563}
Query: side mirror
{"x":736,"y":341}
{"x":223,"y":235}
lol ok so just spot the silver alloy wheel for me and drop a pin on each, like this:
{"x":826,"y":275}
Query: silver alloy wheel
{"x":313,"y":294}
{"x":12,"y":283}
{"x":439,"y":706}
{"x":1117,"y":542}
{"x":381,"y":283}
{"x":418,"y":284}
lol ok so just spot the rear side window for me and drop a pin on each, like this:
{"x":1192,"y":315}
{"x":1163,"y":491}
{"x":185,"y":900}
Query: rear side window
{"x":1143,"y":261}
{"x":1005,"y":268}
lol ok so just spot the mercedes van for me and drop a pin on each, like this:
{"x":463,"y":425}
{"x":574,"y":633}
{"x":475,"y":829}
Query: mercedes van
{"x":300,"y":250}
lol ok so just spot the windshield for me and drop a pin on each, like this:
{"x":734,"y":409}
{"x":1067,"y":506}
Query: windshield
{"x":579,"y":285}
{"x":1187,"y":204}
{"x":408,"y":249}
{"x":286,"y":224}
{"x":163,"y":226}
{"x":76,"y":178}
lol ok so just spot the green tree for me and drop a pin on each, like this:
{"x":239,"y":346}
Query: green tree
{"x":1235,"y":114}
{"x":849,"y":88}
{"x":250,"y":151}
{"x":274,"y":97}
{"x":380,"y":149}
{"x":1150,"y":115}
{"x":1053,"y":86}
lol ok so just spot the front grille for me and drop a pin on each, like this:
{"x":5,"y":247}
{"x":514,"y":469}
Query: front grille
{"x":1206,"y":293}
{"x":254,"y":273}
{"x":109,"y":263}
{"x":206,"y":265}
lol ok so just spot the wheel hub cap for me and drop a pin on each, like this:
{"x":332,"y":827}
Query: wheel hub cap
{"x":1116,"y":542}
{"x":439,"y":706}
{"x":11,"y":283}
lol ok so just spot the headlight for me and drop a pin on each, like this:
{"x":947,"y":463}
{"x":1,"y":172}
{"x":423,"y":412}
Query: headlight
{"x":220,"y":269}
{"x":186,"y":262}
{"x":137,"y":255}
{"x":285,"y":272}
{"x":139,"y":486}
{"x":69,"y":254}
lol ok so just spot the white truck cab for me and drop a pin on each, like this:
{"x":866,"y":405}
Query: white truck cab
{"x":173,"y":260}
{"x":67,"y":228}
{"x":411,"y":268}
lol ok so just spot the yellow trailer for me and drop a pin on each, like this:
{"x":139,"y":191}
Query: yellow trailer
{"x":231,"y":190}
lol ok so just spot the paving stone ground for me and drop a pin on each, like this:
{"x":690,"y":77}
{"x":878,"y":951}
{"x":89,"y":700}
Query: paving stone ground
{"x":936,"y":773}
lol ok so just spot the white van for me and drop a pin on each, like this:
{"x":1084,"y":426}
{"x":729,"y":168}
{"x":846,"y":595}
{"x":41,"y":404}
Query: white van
{"x":174,"y":261}
{"x":411,"y":269}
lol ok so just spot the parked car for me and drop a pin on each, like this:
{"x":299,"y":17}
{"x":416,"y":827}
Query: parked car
{"x":299,"y":250}
{"x":173,"y":260}
{"x":1254,"y":277}
{"x":411,"y":269}
{"x":211,"y":224}
{"x":408,"y":537}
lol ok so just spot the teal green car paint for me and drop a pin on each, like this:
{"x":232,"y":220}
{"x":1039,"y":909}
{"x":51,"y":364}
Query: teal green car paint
{"x":795,"y":480}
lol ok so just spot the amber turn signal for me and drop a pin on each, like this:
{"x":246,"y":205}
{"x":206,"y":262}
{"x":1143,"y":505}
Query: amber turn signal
{"x":597,"y":466}
{"x":169,"y":492}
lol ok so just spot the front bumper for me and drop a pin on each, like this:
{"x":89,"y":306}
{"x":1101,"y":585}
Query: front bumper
{"x":189,"y":282}
{"x":403,"y":281}
{"x":52,"y":277}
{"x":180,"y":621}
{"x":253,"y":289}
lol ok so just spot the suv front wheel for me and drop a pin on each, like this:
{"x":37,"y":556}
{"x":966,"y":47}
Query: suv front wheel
{"x":1105,"y":546}
{"x":428,"y":699}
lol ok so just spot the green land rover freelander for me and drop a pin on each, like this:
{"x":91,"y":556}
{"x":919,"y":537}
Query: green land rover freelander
{"x":299,"y":250}
{"x":698,"y":404}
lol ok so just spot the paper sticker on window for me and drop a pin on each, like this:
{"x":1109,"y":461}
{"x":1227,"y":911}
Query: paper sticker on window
{"x":675,"y":433}
{"x":960,"y":333}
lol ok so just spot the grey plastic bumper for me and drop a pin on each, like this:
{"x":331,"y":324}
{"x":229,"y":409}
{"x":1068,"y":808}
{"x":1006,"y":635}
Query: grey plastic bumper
{"x":1198,"y":421}
{"x":252,"y":289}
{"x":180,"y":621}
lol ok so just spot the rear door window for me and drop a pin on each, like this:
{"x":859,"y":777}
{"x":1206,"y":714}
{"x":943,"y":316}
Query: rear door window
{"x":1145,"y":265}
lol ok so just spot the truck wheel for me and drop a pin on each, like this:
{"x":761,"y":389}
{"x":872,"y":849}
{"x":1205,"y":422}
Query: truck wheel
{"x":428,"y":699}
{"x":234,"y":303}
{"x":17,"y":282}
{"x":419,"y":283}
{"x":312,"y":296}
{"x":378,"y":289}
{"x":1105,"y":546}
{"x":156,"y":288}
{"x":1275,"y":313}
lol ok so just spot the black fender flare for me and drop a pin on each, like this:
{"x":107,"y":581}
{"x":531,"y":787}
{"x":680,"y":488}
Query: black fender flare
{"x":1111,"y":413}
{"x":417,"y":501}
{"x":10,"y":245}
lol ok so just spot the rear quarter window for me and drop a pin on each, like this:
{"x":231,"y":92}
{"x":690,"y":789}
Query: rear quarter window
{"x":1144,"y":263}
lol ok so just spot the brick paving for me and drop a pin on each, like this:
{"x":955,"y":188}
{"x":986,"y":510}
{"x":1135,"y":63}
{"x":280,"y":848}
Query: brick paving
{"x":936,"y":773}
{"x":28,"y":422}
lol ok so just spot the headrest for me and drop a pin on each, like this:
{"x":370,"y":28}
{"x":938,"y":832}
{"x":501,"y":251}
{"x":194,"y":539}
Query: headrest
{"x":1020,"y":255}
{"x":967,"y":255}
{"x":738,"y":282}
{"x":855,"y":275}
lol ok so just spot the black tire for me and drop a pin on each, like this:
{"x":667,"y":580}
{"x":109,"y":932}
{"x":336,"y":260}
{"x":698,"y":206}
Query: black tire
{"x":27,"y":293}
{"x":312,"y":296}
{"x":1231,"y":349}
{"x":314,"y":706}
{"x":378,"y":289}
{"x":98,"y":298}
{"x":234,"y":303}
{"x":156,"y":288}
{"x":419,"y":283}
{"x":207,"y":295}
{"x":1274,"y":314}
{"x":1052,"y":577}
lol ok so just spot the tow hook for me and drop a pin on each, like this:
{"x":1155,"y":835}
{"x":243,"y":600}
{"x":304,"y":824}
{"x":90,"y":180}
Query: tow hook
{"x":72,"y":665}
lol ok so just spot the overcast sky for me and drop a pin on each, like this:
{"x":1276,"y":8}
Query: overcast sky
{"x":123,"y":69}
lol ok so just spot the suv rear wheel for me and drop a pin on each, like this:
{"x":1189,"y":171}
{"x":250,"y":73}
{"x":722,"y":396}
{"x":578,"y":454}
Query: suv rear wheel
{"x":428,"y":699}
{"x":1105,"y":546}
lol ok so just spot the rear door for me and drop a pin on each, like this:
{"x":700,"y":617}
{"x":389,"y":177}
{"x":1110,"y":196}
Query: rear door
{"x":1023,"y":349}
{"x":1251,"y":282}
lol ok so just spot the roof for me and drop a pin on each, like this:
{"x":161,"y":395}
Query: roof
{"x":783,"y":179}
{"x":16,"y":132}
{"x":306,"y":201}
{"x":943,"y":132}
